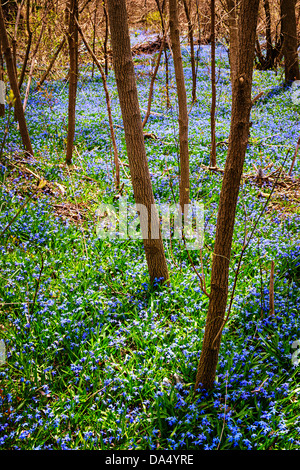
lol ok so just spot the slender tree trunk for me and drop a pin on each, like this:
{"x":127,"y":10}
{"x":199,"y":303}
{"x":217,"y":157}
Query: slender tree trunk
{"x":29,"y":32}
{"x":164,"y":32}
{"x":105,"y":38}
{"x":187,"y":9}
{"x":239,"y":134}
{"x":2,"y":105}
{"x":233,"y":38}
{"x":213,"y":157}
{"x":269,"y":56}
{"x":14,"y":85}
{"x":73,"y":52}
{"x":14,"y":39}
{"x":199,"y":35}
{"x":14,"y":44}
{"x":128,"y":96}
{"x":33,"y":63}
{"x":108,"y":106}
{"x":290,"y":45}
{"x":183,"y":119}
{"x":94,"y":36}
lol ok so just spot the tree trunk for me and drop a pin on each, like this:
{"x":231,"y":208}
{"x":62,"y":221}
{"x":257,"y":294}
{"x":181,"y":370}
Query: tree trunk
{"x":161,"y":14}
{"x":94,"y":36}
{"x":233,"y":38}
{"x":14,"y":39}
{"x":14,"y":85}
{"x":239,"y":134}
{"x":184,"y":188}
{"x":33,"y":58}
{"x":213,"y":156}
{"x":29,"y":32}
{"x":191,"y":41}
{"x":73,"y":76}
{"x":105,"y":38}
{"x":290,"y":44}
{"x":2,"y":105}
{"x":140,"y":176}
{"x":269,"y":56}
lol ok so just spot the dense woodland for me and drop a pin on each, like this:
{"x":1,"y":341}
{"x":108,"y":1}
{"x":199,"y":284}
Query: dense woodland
{"x":128,"y":338}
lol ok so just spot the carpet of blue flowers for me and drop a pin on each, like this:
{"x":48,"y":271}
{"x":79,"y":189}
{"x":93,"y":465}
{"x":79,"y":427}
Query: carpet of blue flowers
{"x":96,"y":359}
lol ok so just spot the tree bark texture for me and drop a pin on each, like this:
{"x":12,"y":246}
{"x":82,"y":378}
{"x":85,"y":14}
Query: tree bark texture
{"x":187,"y":9}
{"x":14,"y":85}
{"x":238,"y":140}
{"x":183,"y":118}
{"x":213,"y":151}
{"x":164,"y":32}
{"x":128,"y":97}
{"x":233,"y":38}
{"x":73,"y":76}
{"x":290,"y":44}
{"x":29,"y":32}
{"x":2,"y":105}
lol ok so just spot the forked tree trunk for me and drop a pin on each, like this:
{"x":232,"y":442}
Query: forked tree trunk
{"x":290,"y":44}
{"x":73,"y":76}
{"x":140,"y":176}
{"x":14,"y":85}
{"x":239,"y":134}
{"x":183,"y":118}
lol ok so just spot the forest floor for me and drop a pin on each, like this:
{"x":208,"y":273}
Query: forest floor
{"x":96,"y":359}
